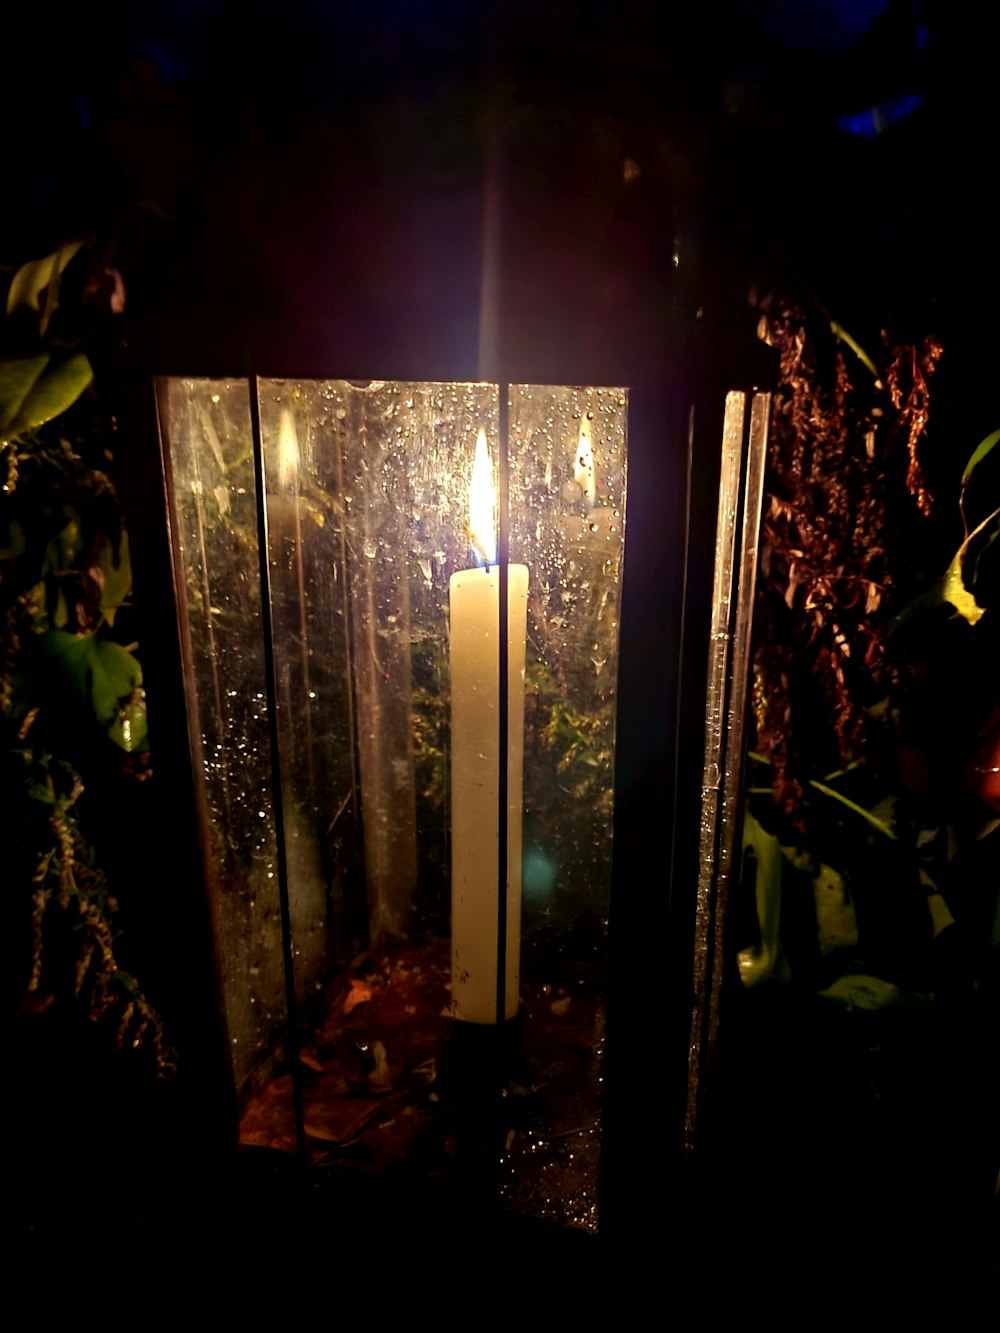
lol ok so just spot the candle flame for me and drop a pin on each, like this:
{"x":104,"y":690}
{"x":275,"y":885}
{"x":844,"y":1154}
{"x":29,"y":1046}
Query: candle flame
{"x":584,"y":472}
{"x":288,"y":451}
{"x":482,"y":505}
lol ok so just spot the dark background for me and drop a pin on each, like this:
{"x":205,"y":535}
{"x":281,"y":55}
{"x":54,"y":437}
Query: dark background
{"x":252,"y":157}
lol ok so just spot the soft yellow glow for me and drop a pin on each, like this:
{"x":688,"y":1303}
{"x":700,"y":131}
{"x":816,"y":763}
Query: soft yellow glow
{"x":482,"y":505}
{"x":585,"y":463}
{"x":288,"y":451}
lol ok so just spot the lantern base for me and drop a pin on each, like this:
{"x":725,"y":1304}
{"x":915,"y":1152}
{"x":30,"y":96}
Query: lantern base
{"x":393,"y":1087}
{"x":488,"y":1058}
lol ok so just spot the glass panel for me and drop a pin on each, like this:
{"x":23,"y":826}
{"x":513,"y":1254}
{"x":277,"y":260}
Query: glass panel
{"x":567,"y":501}
{"x":310,"y":625}
{"x":720,"y":637}
{"x":744,"y":453}
{"x":368,"y":499}
{"x":207,"y":432}
{"x":386,"y":649}
{"x":365,"y":528}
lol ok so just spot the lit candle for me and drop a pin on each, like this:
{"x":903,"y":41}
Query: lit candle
{"x":475,"y":762}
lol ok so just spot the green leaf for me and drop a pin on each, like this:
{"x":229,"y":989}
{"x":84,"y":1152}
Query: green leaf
{"x":836,"y":923}
{"x":37,"y":276}
{"x":858,"y":991}
{"x":12,"y":543}
{"x":17,"y":378}
{"x":757,"y":964}
{"x":36,"y":608}
{"x":130,"y":728}
{"x":950,"y":587}
{"x":117,"y":576}
{"x":953,"y":590}
{"x":65,"y":548}
{"x":879,"y":824}
{"x":979,"y":453}
{"x":43,"y":792}
{"x":841,"y":334}
{"x":104,"y":676}
{"x":53,"y":392}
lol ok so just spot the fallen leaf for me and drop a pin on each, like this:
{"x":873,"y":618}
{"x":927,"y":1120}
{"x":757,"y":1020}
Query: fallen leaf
{"x":360,"y":992}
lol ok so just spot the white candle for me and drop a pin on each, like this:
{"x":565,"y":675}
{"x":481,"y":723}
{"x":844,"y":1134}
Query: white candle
{"x":475,"y":766}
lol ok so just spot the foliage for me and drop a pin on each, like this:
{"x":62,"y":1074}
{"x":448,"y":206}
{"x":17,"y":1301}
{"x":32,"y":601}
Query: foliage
{"x":844,"y":476}
{"x":430,"y":726}
{"x":575,"y":741}
{"x":851,"y":621}
{"x":70,"y":694}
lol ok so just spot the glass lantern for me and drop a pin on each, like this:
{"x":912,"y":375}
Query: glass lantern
{"x":399,"y":610}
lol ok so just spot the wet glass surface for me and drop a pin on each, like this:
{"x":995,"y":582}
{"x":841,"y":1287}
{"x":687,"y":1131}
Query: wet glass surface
{"x":368,"y":526}
{"x":208,"y":432}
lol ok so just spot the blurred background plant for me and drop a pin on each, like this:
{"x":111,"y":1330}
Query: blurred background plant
{"x":71,"y":700}
{"x":872,"y":796}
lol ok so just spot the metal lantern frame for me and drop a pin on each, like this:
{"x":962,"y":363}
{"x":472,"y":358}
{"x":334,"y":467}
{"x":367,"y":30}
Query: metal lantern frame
{"x":660,"y":350}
